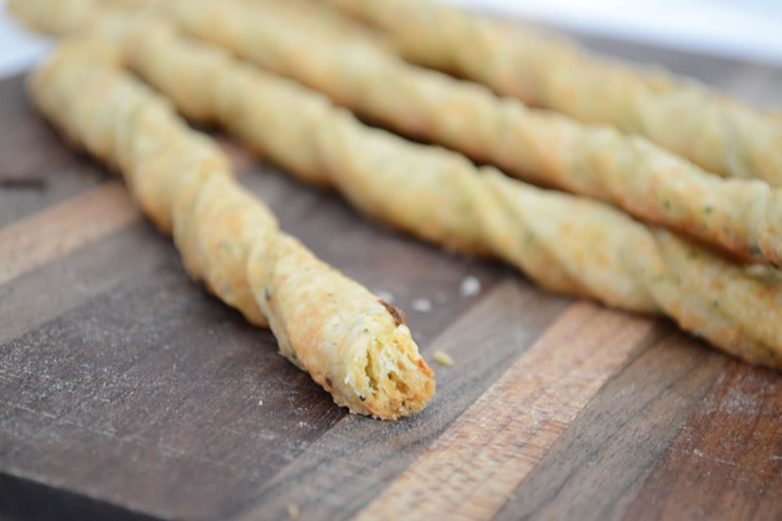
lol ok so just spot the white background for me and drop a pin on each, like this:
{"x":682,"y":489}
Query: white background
{"x":747,"y":29}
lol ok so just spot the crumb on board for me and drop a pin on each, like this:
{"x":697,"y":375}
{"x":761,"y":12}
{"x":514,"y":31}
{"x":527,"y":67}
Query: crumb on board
{"x":422,"y":305}
{"x":385,"y":295}
{"x":260,"y":402}
{"x":443,"y":358}
{"x":293,"y":511}
{"x":470,"y":286}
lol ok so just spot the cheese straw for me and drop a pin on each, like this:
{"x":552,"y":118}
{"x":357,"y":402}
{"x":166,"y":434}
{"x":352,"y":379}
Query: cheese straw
{"x":317,"y":47}
{"x":352,"y":344}
{"x":565,"y":243}
{"x":719,"y":134}
{"x":741,"y":216}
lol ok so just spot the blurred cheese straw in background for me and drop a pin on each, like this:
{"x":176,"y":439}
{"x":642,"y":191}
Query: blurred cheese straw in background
{"x":719,"y":134}
{"x":743,"y":217}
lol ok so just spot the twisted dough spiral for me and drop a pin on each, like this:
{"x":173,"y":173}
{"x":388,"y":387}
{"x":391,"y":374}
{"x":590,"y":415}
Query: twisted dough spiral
{"x":66,"y":17}
{"x":352,"y":344}
{"x":741,"y":216}
{"x":719,"y":134}
{"x":565,"y":243}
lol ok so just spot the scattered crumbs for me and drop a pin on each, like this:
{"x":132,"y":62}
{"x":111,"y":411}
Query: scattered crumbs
{"x":776,"y":457}
{"x":422,"y":305}
{"x":260,"y":402}
{"x":293,"y":511}
{"x":386,"y":296}
{"x":470,"y":286}
{"x":443,"y":358}
{"x":302,"y":424}
{"x":698,"y":453}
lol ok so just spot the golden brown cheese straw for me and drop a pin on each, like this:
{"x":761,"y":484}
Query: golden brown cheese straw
{"x":65,"y":17}
{"x":720,"y":135}
{"x":565,"y":243}
{"x":743,"y":217}
{"x":317,"y":47}
{"x":57,"y":18}
{"x":352,"y":344}
{"x":319,"y":17}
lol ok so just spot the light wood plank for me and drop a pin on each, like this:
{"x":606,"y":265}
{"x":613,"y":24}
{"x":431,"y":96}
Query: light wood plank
{"x":63,"y":228}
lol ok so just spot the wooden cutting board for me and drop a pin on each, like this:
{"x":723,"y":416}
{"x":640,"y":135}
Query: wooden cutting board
{"x":127,"y":392}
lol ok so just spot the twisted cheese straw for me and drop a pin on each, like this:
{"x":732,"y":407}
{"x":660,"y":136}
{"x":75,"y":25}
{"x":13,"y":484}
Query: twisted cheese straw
{"x":65,"y":17}
{"x":352,"y":344}
{"x":719,"y":134}
{"x":565,"y":243}
{"x":743,"y":217}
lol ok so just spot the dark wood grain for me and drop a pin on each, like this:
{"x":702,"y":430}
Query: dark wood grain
{"x":36,"y":298}
{"x":131,"y":394}
{"x":127,"y":392}
{"x":27,"y":499}
{"x":727,"y":460}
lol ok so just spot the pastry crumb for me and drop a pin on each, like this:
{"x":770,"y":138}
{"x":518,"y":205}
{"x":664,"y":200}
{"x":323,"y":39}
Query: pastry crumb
{"x":422,"y":305}
{"x":443,"y":358}
{"x":260,"y":402}
{"x":470,"y":286}
{"x":293,"y":511}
